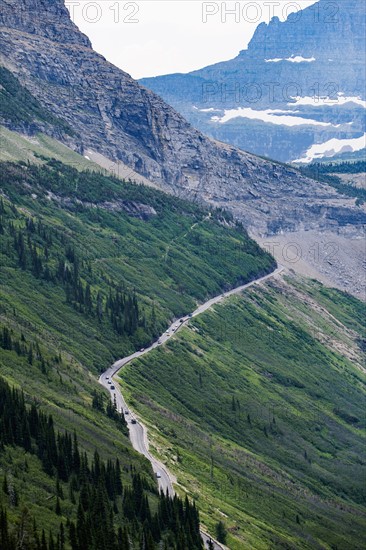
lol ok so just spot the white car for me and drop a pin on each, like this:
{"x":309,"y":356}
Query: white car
{"x":158,"y":475}
{"x":109,"y":382}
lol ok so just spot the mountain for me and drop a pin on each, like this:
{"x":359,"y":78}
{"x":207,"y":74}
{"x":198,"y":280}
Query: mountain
{"x":98,"y":110}
{"x":93,"y":266}
{"x":298,"y":86}
{"x":257,"y":408}
{"x":113,"y":116}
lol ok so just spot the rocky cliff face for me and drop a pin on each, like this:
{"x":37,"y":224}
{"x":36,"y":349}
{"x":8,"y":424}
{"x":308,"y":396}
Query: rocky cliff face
{"x":46,"y":18}
{"x":302,"y":68}
{"x":116,"y":117}
{"x":318,"y":31}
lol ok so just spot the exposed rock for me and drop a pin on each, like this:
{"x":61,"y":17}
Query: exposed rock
{"x":132,"y":208}
{"x":114,"y":115}
{"x":328,"y":39}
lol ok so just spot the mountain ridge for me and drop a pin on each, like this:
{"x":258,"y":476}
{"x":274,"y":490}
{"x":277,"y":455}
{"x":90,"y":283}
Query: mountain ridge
{"x":115,"y":116}
{"x":309,"y":67}
{"x":255,"y":405}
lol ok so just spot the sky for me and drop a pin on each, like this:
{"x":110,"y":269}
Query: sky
{"x":155,"y":37}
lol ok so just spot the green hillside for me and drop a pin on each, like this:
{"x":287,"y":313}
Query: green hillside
{"x":80,"y":503}
{"x":36,"y":149}
{"x":93,"y":268}
{"x":258,"y":407}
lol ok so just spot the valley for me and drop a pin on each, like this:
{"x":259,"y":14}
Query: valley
{"x":78,"y":292}
{"x":182,"y":336}
{"x":239,"y":402}
{"x":137,"y":431}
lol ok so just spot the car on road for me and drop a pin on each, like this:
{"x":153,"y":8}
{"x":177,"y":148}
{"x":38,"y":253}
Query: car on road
{"x":113,"y":388}
{"x":167,"y":332}
{"x":134,"y":421}
{"x":142,"y":349}
{"x":107,"y":377}
{"x":109,"y":382}
{"x":158,"y":475}
{"x":127,"y":412}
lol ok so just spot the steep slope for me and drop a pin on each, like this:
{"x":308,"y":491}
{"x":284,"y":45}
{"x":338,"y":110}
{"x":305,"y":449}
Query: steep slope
{"x":92,"y":268}
{"x":299,"y":85}
{"x":81,"y":503}
{"x":112,"y":115}
{"x":257,"y":407}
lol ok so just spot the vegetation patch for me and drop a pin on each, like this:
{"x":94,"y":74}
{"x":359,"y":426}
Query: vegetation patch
{"x":263,"y":417}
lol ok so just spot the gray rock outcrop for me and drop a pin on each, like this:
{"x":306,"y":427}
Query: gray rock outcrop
{"x":115,"y":116}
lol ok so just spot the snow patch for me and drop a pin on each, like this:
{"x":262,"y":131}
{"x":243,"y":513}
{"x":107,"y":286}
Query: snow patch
{"x":292,"y":59}
{"x":274,"y":116}
{"x":333,"y":147}
{"x":210,"y":110}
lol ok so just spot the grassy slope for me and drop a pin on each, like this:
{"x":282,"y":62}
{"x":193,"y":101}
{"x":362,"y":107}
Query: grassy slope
{"x":171,"y":265}
{"x":173,"y":259}
{"x":16,"y":147}
{"x":260,"y":405}
{"x":65,"y":390}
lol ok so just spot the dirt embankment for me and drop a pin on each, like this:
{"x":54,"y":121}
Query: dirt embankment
{"x":334,"y":260}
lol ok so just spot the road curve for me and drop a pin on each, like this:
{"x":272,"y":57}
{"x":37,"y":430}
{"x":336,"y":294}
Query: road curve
{"x":137,"y":431}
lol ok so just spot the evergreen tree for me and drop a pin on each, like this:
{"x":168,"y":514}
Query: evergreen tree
{"x":221,"y":532}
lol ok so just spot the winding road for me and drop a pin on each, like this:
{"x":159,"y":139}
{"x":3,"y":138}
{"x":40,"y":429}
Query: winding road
{"x":137,"y":431}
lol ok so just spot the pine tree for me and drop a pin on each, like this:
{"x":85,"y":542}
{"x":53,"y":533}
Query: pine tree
{"x":5,"y":485}
{"x":221,"y":532}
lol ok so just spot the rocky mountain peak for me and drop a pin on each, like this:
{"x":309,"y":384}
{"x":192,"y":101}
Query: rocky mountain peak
{"x":297,"y":93}
{"x":46,"y":18}
{"x":120,"y":120}
{"x":313,"y":32}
